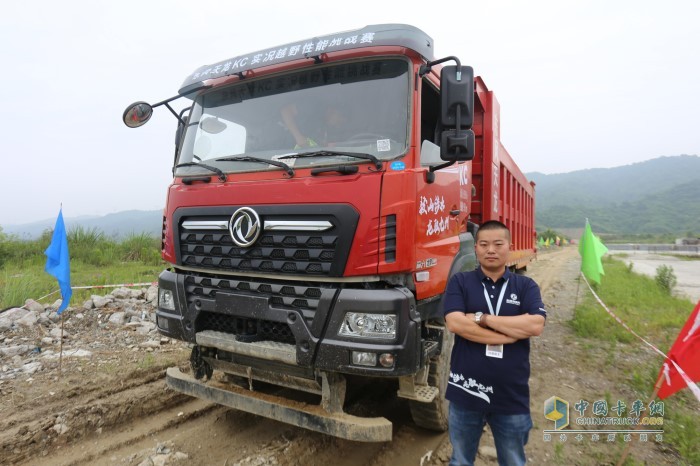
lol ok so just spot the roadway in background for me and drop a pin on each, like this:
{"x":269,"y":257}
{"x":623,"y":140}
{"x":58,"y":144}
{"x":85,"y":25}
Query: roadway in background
{"x":687,"y":271}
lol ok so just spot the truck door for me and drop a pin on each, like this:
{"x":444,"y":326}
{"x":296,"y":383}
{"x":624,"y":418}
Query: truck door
{"x":442,"y":206}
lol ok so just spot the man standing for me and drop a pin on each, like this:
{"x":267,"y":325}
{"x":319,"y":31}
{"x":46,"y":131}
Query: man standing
{"x":492,"y":313}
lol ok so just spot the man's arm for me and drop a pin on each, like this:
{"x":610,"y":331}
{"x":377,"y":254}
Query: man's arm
{"x":518,"y":327}
{"x":463,"y":325}
{"x":289,"y":114}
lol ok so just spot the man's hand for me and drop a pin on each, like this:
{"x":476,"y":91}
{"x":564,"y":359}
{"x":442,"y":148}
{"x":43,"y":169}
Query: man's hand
{"x":463,"y":325}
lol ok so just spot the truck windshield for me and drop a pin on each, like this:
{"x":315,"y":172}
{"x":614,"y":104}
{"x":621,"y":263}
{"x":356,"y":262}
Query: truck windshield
{"x":358,"y":107}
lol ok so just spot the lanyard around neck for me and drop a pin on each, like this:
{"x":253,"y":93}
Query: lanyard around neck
{"x":500,"y":298}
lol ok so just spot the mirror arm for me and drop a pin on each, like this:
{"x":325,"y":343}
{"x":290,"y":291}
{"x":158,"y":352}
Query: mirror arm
{"x":435,"y":168}
{"x":166,"y":102}
{"x":424,"y":69}
{"x":174,"y":113}
{"x":430,"y":174}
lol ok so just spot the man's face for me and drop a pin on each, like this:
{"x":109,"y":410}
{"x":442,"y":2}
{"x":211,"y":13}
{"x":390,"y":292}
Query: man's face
{"x":492,"y":248}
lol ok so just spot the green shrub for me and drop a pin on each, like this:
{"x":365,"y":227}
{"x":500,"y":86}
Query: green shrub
{"x":140,"y":247}
{"x":665,"y":278}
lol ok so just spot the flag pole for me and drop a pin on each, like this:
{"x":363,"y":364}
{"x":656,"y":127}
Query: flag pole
{"x":626,"y":451}
{"x":60,"y":352}
{"x":578,"y":285}
{"x":578,"y":278}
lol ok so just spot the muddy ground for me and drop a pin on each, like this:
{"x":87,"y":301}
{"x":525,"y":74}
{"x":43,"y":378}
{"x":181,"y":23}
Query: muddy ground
{"x":111,"y":406}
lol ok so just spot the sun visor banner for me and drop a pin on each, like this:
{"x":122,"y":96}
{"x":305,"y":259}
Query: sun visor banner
{"x":378,"y":35}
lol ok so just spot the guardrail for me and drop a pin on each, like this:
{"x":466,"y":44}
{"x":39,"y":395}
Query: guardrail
{"x":655,"y":248}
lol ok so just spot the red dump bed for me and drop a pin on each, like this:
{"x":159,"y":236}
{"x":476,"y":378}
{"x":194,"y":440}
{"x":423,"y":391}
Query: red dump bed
{"x":501,"y":190}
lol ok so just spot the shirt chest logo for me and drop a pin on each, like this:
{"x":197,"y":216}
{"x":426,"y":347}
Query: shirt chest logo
{"x":513,"y":299}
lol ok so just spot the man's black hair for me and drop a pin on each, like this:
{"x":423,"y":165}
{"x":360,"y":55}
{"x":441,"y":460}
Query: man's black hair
{"x":493,"y":225}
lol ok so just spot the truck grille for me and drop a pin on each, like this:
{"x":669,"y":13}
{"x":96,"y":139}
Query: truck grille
{"x":295,"y":254}
{"x":319,"y":253}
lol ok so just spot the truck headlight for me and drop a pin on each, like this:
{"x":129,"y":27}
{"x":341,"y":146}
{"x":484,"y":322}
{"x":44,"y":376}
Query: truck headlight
{"x":362,"y":325}
{"x":166,"y":300}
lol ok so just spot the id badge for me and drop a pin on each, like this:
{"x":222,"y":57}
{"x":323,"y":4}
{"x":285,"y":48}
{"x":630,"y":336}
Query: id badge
{"x":494,"y":351}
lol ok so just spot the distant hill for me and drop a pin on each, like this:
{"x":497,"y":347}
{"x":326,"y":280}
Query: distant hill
{"x":658,"y":196}
{"x":117,"y":225}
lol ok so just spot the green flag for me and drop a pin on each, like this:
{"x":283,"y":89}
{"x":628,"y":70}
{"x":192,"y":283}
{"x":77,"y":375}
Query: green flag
{"x":591,"y":250}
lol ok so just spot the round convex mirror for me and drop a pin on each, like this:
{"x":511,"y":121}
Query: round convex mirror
{"x":137,"y":114}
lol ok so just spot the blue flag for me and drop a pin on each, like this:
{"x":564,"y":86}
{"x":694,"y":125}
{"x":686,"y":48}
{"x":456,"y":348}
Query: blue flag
{"x":58,"y":261}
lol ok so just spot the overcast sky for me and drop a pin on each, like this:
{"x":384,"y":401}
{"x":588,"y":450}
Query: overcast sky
{"x":582,"y":84}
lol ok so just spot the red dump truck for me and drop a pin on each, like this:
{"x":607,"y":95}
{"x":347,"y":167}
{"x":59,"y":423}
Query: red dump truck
{"x":324,"y":192}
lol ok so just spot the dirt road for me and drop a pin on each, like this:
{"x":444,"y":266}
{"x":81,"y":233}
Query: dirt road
{"x":115,"y":409}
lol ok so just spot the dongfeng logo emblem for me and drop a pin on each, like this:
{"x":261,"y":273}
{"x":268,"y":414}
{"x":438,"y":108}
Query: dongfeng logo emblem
{"x":244,"y":227}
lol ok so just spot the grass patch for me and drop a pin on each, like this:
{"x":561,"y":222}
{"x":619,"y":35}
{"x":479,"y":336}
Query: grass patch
{"x":19,"y":284}
{"x":147,"y":361}
{"x":638,"y":300}
{"x":94,"y":260}
{"x":648,"y":309}
{"x":682,"y":430}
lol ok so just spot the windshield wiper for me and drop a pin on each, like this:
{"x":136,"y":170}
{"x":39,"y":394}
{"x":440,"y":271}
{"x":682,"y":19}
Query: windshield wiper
{"x":222,"y":175}
{"x":282,"y":165}
{"x":334,"y":153}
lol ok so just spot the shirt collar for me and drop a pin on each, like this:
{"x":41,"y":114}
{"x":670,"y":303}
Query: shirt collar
{"x":482,"y":276}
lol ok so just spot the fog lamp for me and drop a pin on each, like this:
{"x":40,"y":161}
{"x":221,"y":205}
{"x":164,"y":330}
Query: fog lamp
{"x":166,"y":300}
{"x":363,"y":325}
{"x":162,"y":323}
{"x":360,"y":358}
{"x":386,"y":359}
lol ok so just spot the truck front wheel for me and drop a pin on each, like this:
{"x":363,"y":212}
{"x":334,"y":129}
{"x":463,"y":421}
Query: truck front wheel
{"x":434,"y":415}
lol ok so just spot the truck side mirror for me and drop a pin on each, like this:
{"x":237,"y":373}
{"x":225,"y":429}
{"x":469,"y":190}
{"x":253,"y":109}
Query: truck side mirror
{"x":457,"y":145}
{"x":457,"y":113}
{"x":457,"y":92}
{"x":137,"y":114}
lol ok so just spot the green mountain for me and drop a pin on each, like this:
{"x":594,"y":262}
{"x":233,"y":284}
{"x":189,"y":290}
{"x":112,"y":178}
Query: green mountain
{"x":658,"y":196}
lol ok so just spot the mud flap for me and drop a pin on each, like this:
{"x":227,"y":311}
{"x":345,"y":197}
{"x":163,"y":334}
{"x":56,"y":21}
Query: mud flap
{"x":312,"y":417}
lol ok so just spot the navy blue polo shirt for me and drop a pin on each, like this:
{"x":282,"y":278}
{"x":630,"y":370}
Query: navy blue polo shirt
{"x":479,"y":382}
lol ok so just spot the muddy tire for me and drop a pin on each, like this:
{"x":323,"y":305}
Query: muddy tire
{"x":434,"y":415}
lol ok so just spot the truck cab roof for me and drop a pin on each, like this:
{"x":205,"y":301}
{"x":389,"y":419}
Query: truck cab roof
{"x":401,"y":35}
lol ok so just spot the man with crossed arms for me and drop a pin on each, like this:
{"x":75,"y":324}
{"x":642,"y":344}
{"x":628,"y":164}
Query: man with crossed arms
{"x":493,"y":313}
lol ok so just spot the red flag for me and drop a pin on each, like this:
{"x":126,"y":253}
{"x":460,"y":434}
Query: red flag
{"x":684,"y":354}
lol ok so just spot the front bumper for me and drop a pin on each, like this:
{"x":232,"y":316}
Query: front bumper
{"x":270,"y":310}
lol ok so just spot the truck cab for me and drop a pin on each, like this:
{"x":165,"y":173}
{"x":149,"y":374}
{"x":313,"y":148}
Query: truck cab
{"x":320,"y":202}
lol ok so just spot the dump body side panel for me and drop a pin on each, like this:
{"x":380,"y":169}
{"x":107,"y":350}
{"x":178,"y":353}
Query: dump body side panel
{"x":502,"y":191}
